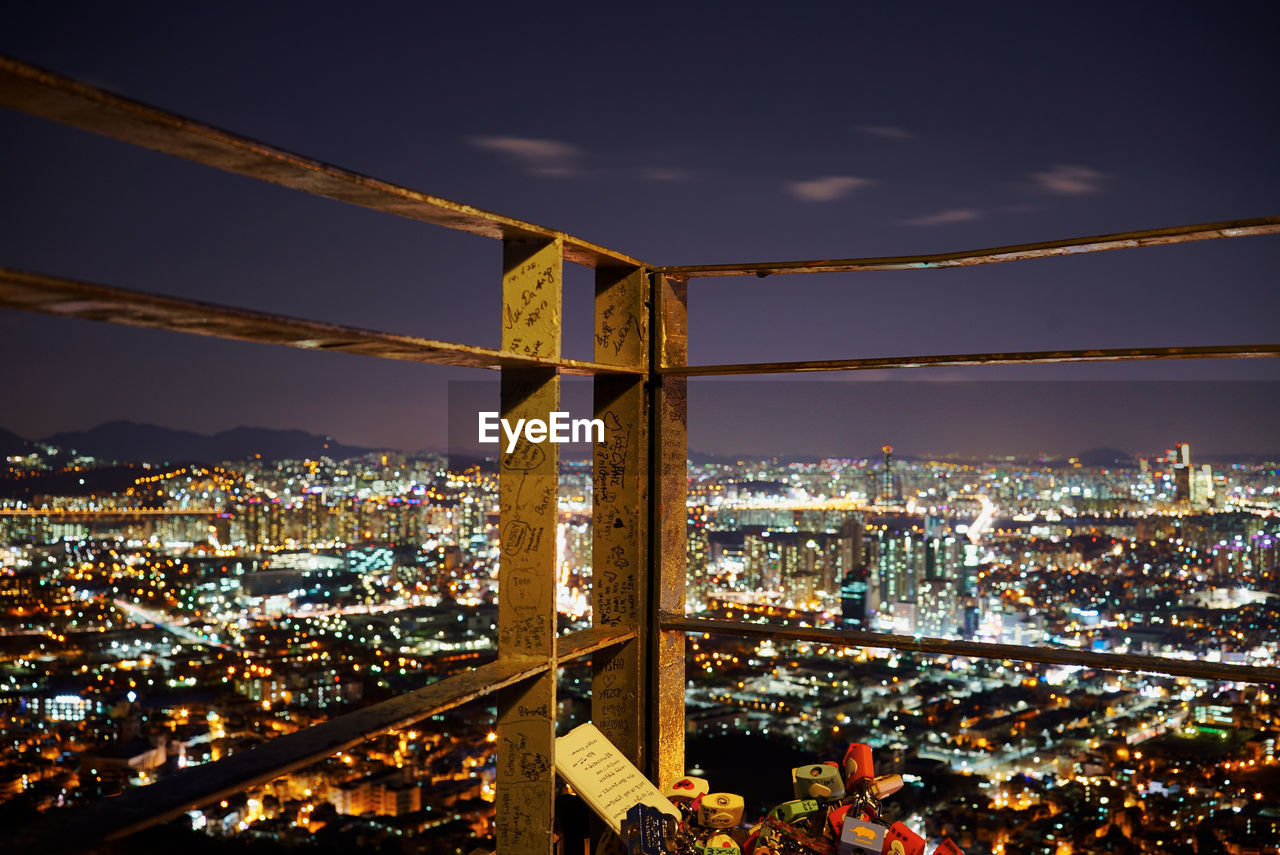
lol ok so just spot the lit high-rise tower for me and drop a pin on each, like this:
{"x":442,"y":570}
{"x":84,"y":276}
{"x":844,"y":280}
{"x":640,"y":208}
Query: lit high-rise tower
{"x":887,"y":492}
{"x":1184,"y":479}
{"x":854,"y":595}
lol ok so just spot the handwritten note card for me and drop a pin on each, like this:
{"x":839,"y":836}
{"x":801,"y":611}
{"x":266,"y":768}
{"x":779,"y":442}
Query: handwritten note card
{"x":606,"y":780}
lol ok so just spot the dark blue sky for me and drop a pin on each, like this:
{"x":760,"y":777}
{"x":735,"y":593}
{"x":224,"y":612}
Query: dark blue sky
{"x":713,"y":134}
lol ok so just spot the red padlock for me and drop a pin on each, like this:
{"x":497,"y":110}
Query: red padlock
{"x":835,"y":821}
{"x":900,"y":840}
{"x":857,"y":764}
{"x":685,"y":790}
{"x":948,"y":847}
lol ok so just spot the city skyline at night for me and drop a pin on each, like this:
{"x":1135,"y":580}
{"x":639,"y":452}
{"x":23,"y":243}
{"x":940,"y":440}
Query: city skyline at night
{"x":204,"y":609}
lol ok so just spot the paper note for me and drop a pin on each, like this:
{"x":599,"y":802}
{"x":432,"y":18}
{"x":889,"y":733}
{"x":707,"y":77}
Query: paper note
{"x":607,"y":781}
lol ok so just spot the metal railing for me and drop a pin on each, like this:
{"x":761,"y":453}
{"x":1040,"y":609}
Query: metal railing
{"x":640,"y":370}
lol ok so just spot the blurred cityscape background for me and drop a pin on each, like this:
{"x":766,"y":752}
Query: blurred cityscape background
{"x":157,"y":614}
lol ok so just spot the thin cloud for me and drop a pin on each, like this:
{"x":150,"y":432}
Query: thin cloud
{"x":663,"y":173}
{"x":1068,"y":180}
{"x":942,"y":218}
{"x":826,"y":189}
{"x":546,"y":158}
{"x":887,"y":132}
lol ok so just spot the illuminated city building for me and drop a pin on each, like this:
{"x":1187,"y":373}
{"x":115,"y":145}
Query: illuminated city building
{"x":888,"y":483}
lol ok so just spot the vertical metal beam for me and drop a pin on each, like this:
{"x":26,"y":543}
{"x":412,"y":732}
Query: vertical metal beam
{"x":669,"y":484}
{"x":620,"y":510}
{"x":527,"y":493}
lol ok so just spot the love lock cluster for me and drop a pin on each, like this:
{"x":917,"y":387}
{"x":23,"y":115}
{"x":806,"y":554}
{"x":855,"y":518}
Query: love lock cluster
{"x":836,"y":811}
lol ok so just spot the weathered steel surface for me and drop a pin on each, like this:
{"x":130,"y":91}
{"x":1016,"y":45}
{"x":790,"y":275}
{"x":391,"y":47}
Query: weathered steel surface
{"x":620,"y":510}
{"x":994,"y":255}
{"x":678,"y":622}
{"x":669,"y":465}
{"x":1120,"y":354}
{"x":527,"y":494}
{"x":51,"y":295}
{"x":200,"y":785}
{"x":51,"y":96}
{"x":586,"y":642}
{"x":531,"y":294}
{"x":61,"y":514}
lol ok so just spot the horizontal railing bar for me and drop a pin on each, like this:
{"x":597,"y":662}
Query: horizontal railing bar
{"x":61,"y":99}
{"x":578,"y":645}
{"x":981,"y":650}
{"x":49,"y":295}
{"x":140,"y":808}
{"x":993,"y":255}
{"x":1124,"y":354}
{"x":111,"y":819}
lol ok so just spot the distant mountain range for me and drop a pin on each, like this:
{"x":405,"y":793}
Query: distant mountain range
{"x":130,"y":442}
{"x":12,"y":445}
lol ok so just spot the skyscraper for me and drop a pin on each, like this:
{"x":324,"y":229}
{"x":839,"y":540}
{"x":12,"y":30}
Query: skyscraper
{"x":888,"y":490}
{"x":853,"y":574}
{"x":940,"y":585}
{"x":1190,"y":484}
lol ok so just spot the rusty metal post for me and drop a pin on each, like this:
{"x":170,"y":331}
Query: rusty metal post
{"x":669,"y":485}
{"x":527,"y":493}
{"x":620,"y":509}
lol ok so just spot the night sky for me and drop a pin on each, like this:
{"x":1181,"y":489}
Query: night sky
{"x":717,"y":133}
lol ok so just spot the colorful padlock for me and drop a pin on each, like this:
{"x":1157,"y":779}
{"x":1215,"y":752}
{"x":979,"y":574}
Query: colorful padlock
{"x":835,"y":821}
{"x":857,"y":764}
{"x":948,"y":847}
{"x":686,"y":789}
{"x":900,"y":840}
{"x":720,"y":844}
{"x":796,"y":810}
{"x":720,"y":810}
{"x":858,"y":837}
{"x":817,"y":781}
